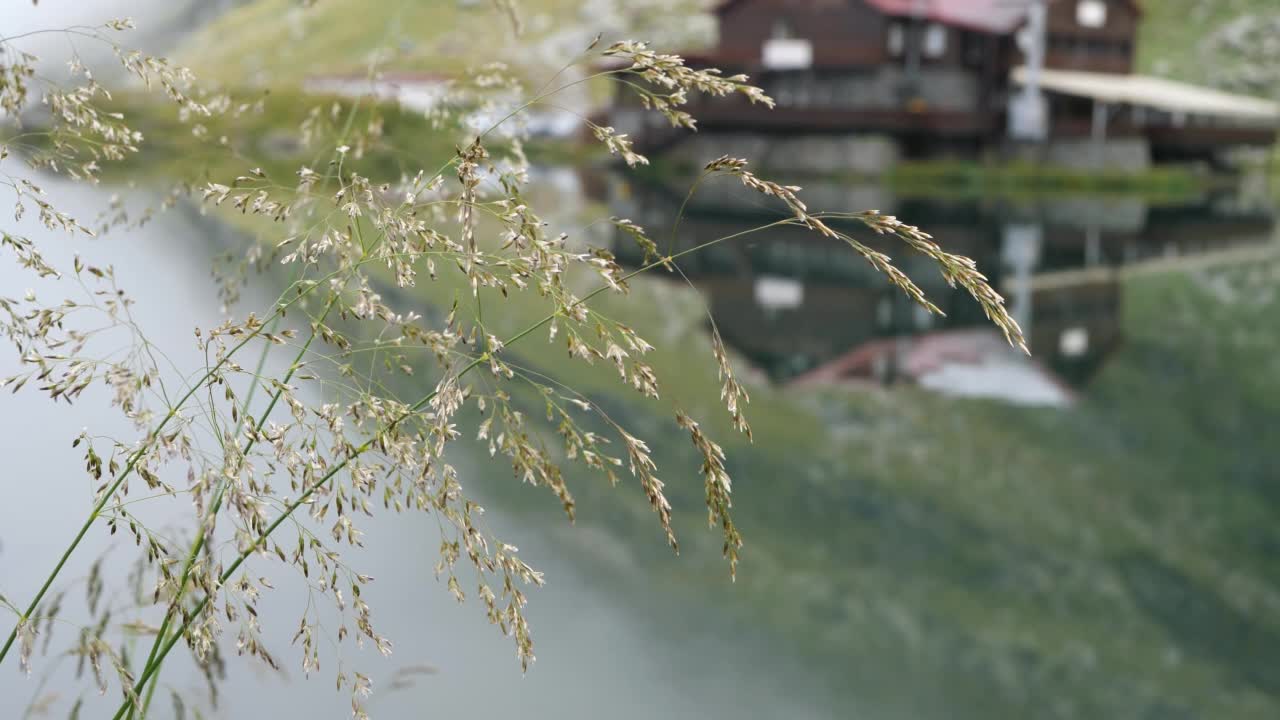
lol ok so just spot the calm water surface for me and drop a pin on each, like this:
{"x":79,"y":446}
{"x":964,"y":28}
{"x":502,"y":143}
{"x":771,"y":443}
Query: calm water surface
{"x":863,"y":571}
{"x":597,"y":654}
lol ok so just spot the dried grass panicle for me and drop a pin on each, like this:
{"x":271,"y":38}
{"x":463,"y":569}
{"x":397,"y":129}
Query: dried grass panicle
{"x":618,"y":144}
{"x":642,"y":466}
{"x":663,"y":83}
{"x":82,"y":132}
{"x":637,"y":233}
{"x":956,"y":269}
{"x":732,"y":394}
{"x":668,"y":82}
{"x":330,"y":436}
{"x":718,"y":487}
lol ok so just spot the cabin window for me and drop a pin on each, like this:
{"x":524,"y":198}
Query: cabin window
{"x":788,"y":54}
{"x":1091,"y":13}
{"x":785,"y":50}
{"x":774,"y":293}
{"x":897,"y":39}
{"x":975,"y":50}
{"x":935,"y":40}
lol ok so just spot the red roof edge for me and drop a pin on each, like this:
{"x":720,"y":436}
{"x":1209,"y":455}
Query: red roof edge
{"x":723,"y":5}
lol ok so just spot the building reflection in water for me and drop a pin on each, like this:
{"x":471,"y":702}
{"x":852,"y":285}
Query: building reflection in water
{"x":807,"y":310}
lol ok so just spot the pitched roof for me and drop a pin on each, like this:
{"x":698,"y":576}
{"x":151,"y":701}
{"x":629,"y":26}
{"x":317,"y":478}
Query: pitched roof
{"x":993,"y":16}
{"x":1158,"y":93}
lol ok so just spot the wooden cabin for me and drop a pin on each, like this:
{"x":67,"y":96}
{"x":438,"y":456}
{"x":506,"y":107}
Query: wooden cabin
{"x":1092,"y":35}
{"x":931,"y":77}
{"x":1100,"y":113}
{"x":867,"y":65}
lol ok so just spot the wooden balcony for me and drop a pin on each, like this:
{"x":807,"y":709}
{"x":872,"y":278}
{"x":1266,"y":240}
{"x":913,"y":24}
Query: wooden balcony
{"x":941,"y":123}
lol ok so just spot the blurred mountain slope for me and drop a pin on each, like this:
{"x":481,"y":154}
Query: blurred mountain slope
{"x":279,"y":42}
{"x":1233,"y":44}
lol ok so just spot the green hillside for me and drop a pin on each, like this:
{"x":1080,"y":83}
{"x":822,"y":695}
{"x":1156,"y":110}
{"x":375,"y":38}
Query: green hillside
{"x":277,"y":42}
{"x":1227,"y":43}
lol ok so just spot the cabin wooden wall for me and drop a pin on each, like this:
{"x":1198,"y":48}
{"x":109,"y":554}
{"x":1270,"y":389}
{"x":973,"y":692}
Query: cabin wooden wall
{"x":1108,"y":49}
{"x":843,"y":32}
{"x":847,"y":33}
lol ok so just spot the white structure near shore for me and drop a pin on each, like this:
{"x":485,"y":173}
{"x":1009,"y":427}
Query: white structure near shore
{"x":417,"y":91}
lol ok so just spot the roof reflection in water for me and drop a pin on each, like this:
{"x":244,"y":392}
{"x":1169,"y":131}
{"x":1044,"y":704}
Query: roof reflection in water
{"x":806,"y":310}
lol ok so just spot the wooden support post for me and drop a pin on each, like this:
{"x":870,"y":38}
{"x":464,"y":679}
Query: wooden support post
{"x":1101,"y":111}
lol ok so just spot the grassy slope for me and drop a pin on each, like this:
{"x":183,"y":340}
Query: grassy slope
{"x":335,"y":36}
{"x":246,"y":41}
{"x":266,"y":134}
{"x":1174,"y":30}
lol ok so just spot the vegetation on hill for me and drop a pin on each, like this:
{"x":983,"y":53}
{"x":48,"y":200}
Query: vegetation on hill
{"x":1226,"y":43}
{"x":268,"y":130}
{"x":441,"y":36}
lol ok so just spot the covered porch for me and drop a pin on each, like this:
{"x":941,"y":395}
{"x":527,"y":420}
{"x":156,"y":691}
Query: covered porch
{"x":1095,"y":112}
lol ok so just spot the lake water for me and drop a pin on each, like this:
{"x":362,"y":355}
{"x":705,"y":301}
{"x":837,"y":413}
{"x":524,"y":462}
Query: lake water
{"x":799,"y":308}
{"x":597,"y":652}
{"x":908,"y":550}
